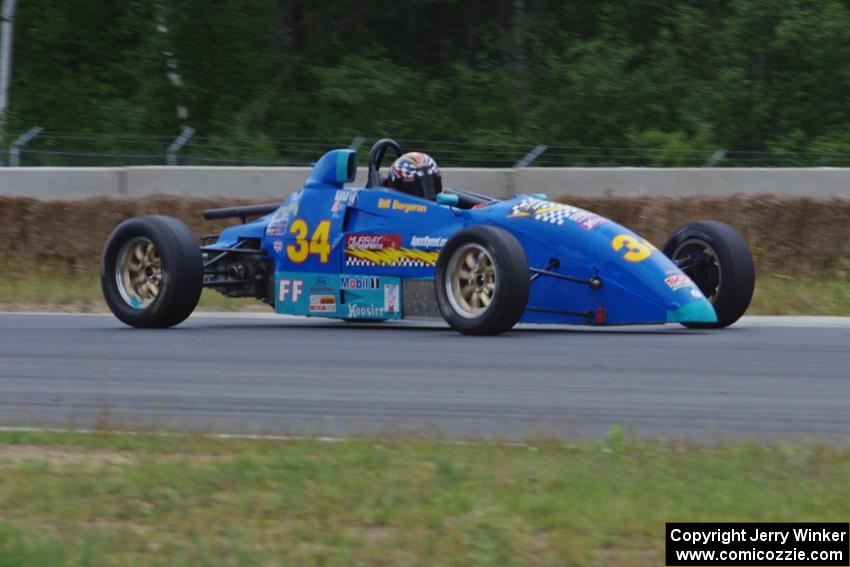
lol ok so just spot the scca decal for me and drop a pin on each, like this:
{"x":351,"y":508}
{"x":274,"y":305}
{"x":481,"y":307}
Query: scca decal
{"x":322,"y":304}
{"x":634,"y":249}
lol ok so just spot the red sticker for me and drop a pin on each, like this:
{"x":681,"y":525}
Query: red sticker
{"x":678,"y":282}
{"x":372,"y":241}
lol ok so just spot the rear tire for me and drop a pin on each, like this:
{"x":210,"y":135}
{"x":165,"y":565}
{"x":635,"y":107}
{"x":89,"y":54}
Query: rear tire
{"x":481,"y":281}
{"x":724,"y":273}
{"x":152,"y":272}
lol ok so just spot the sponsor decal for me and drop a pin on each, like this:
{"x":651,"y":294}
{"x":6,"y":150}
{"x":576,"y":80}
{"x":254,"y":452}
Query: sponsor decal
{"x":277,"y":227}
{"x":291,"y":289}
{"x":359,"y":282}
{"x":280,"y":221}
{"x":321,"y":284}
{"x":555,"y":213}
{"x":343,"y":198}
{"x":278,"y":246}
{"x":678,"y":281}
{"x":404,"y":206}
{"x":633,"y":248}
{"x":391,"y":298}
{"x":365,"y":312}
{"x":403,"y":257}
{"x":346,"y":196}
{"x":588,"y":220}
{"x":384,"y":250}
{"x":321,"y":287}
{"x":427,"y":241}
{"x":322,"y":303}
{"x":372,"y":241}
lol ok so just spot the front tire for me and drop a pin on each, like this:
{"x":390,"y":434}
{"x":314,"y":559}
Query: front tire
{"x":482,"y":281}
{"x":716,"y":257}
{"x":152,"y":272}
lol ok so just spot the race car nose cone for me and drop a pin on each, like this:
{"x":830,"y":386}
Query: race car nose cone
{"x":699,"y":311}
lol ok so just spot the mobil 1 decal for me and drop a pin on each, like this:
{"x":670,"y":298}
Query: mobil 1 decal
{"x":370,"y":297}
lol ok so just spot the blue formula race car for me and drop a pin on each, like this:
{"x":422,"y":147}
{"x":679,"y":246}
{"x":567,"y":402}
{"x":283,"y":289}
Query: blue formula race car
{"x":390,"y":250}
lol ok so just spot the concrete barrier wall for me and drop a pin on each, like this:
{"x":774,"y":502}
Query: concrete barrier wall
{"x":276,"y":182}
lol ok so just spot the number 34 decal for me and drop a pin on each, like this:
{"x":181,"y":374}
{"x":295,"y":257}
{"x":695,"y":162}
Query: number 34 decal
{"x":318,"y":244}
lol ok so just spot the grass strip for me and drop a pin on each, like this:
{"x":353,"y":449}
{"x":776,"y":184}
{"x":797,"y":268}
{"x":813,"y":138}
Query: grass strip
{"x":116,"y":499}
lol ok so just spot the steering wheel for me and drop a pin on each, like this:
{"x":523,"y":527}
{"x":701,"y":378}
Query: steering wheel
{"x":376,"y":157}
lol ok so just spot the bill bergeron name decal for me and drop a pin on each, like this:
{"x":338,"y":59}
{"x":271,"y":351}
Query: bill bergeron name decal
{"x":744,"y":534}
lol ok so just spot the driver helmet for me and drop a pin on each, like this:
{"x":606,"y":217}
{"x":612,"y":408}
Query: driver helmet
{"x":416,"y":173}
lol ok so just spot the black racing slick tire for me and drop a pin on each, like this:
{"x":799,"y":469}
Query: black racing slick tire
{"x":481,"y":281}
{"x":152,"y":272}
{"x":716,"y":257}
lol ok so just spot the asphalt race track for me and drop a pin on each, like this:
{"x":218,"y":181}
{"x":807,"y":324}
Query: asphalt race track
{"x":765,"y":378}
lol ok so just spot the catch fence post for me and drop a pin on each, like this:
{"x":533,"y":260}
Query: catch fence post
{"x":531,"y":156}
{"x":177,"y":145}
{"x":23,"y":140}
{"x":715,"y":158}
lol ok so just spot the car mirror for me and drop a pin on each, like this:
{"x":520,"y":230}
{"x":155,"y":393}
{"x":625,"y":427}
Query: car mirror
{"x":335,"y":168}
{"x":447,"y":200}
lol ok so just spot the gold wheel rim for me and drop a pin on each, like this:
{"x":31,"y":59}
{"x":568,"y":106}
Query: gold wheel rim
{"x":471,"y":285}
{"x":138,"y":273}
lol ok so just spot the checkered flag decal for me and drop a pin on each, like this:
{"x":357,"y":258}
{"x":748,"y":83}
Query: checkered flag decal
{"x":552,"y":213}
{"x":351,"y":261}
{"x":402,"y":262}
{"x":556,"y":216}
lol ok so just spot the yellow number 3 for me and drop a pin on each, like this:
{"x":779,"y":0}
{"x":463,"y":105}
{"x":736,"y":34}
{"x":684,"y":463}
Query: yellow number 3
{"x":636,"y":251}
{"x":319,"y":243}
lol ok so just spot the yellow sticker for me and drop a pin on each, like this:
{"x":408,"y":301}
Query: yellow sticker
{"x":319,"y":243}
{"x":403,"y":206}
{"x":636,"y":250}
